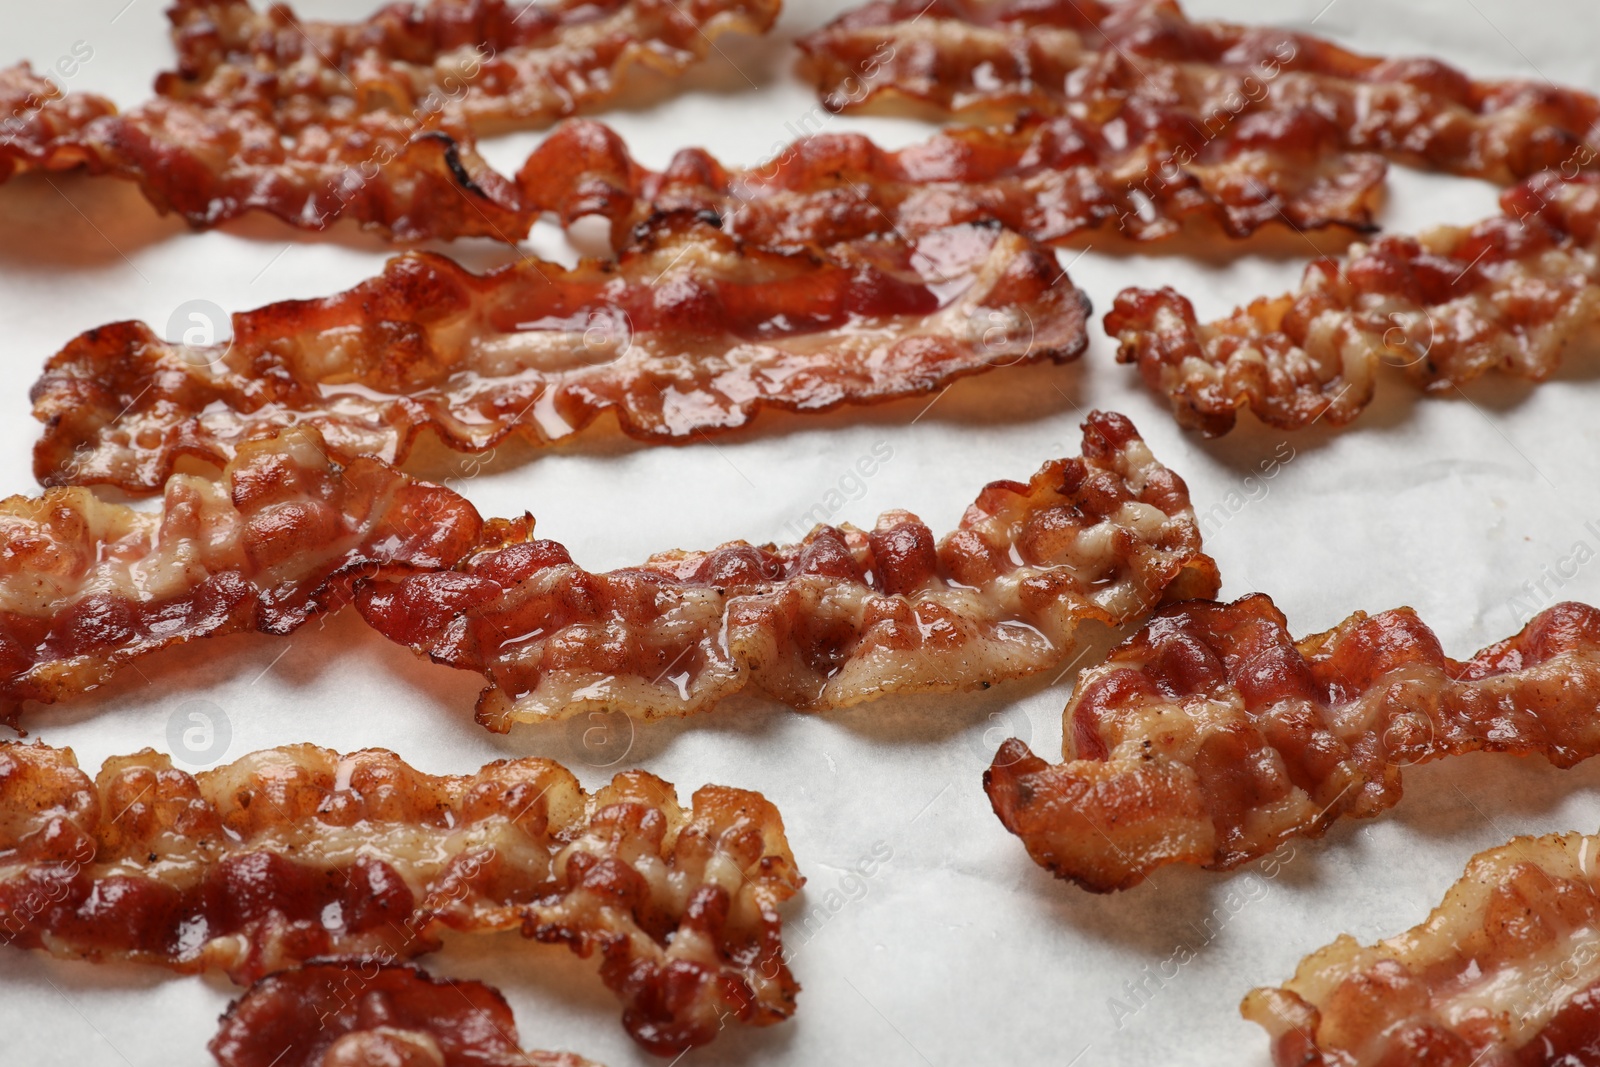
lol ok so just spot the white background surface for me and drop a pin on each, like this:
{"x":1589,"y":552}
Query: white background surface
{"x":958,"y":950}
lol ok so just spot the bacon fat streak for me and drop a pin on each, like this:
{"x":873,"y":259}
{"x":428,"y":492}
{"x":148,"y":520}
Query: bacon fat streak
{"x":1509,"y":294}
{"x":87,"y":586}
{"x":297,"y":853}
{"x":843,"y":617}
{"x":1045,"y":177}
{"x":1211,"y":736}
{"x":1101,"y":60}
{"x":1504,"y":973}
{"x":373,"y":1015}
{"x":688,"y":334}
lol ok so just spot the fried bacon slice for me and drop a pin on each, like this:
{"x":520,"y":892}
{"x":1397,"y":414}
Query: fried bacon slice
{"x":1504,"y":973}
{"x":1095,"y":59}
{"x":1046,"y":177}
{"x":1511,"y":294}
{"x":297,"y":853}
{"x":38,"y":121}
{"x":690,"y":334}
{"x":489,"y":62}
{"x":86,"y":586}
{"x":843,"y":617}
{"x":374,"y":121}
{"x":1211,"y":736}
{"x":368,"y":1014}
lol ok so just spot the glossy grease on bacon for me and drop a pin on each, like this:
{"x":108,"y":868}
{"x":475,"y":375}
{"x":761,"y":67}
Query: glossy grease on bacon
{"x":1100,"y":61}
{"x":1211,"y":735}
{"x":87,"y":586}
{"x":1512,"y":294}
{"x":845,"y":616}
{"x":1504,"y":973}
{"x":295,"y":854}
{"x":373,"y":1015}
{"x":1045,"y":177}
{"x":689,"y":334}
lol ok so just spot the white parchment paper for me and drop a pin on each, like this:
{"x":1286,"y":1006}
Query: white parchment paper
{"x":955,"y":949}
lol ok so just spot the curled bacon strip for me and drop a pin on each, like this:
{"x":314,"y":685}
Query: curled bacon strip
{"x":843,"y":617}
{"x":87,"y":587}
{"x":374,"y":121}
{"x":296,"y":853}
{"x":1045,"y":177}
{"x":354,"y":1014}
{"x":1510,"y":294}
{"x":689,"y":334}
{"x":1504,"y":973}
{"x":487,"y":61}
{"x":38,"y":121}
{"x":1211,"y":736}
{"x":1095,"y":59}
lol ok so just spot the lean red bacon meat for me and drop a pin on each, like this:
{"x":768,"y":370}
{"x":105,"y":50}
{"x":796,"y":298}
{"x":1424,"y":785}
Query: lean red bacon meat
{"x":1211,"y":736}
{"x":843,"y":617}
{"x":297,"y":854}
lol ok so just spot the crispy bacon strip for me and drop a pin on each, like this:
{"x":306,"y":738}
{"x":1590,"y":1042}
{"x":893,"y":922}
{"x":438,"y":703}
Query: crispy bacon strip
{"x":295,"y":853}
{"x":1510,"y":293}
{"x":843,"y":617}
{"x":374,"y":121}
{"x":1095,"y":59}
{"x":487,"y":61}
{"x":371,"y":1014}
{"x":688,"y":335}
{"x":38,"y":121}
{"x":1046,"y":177}
{"x":1504,"y":973}
{"x":87,"y":587}
{"x":1211,"y":736}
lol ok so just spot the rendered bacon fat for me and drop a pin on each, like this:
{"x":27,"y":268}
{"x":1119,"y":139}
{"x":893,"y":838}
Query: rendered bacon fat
{"x":1504,"y":973}
{"x":297,"y":853}
{"x":690,"y":334}
{"x":372,"y":121}
{"x":1100,"y":60}
{"x":87,"y":586}
{"x":1512,"y":294}
{"x":1211,"y":736}
{"x":1045,"y":177}
{"x":843,"y":617}
{"x":373,"y":1015}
